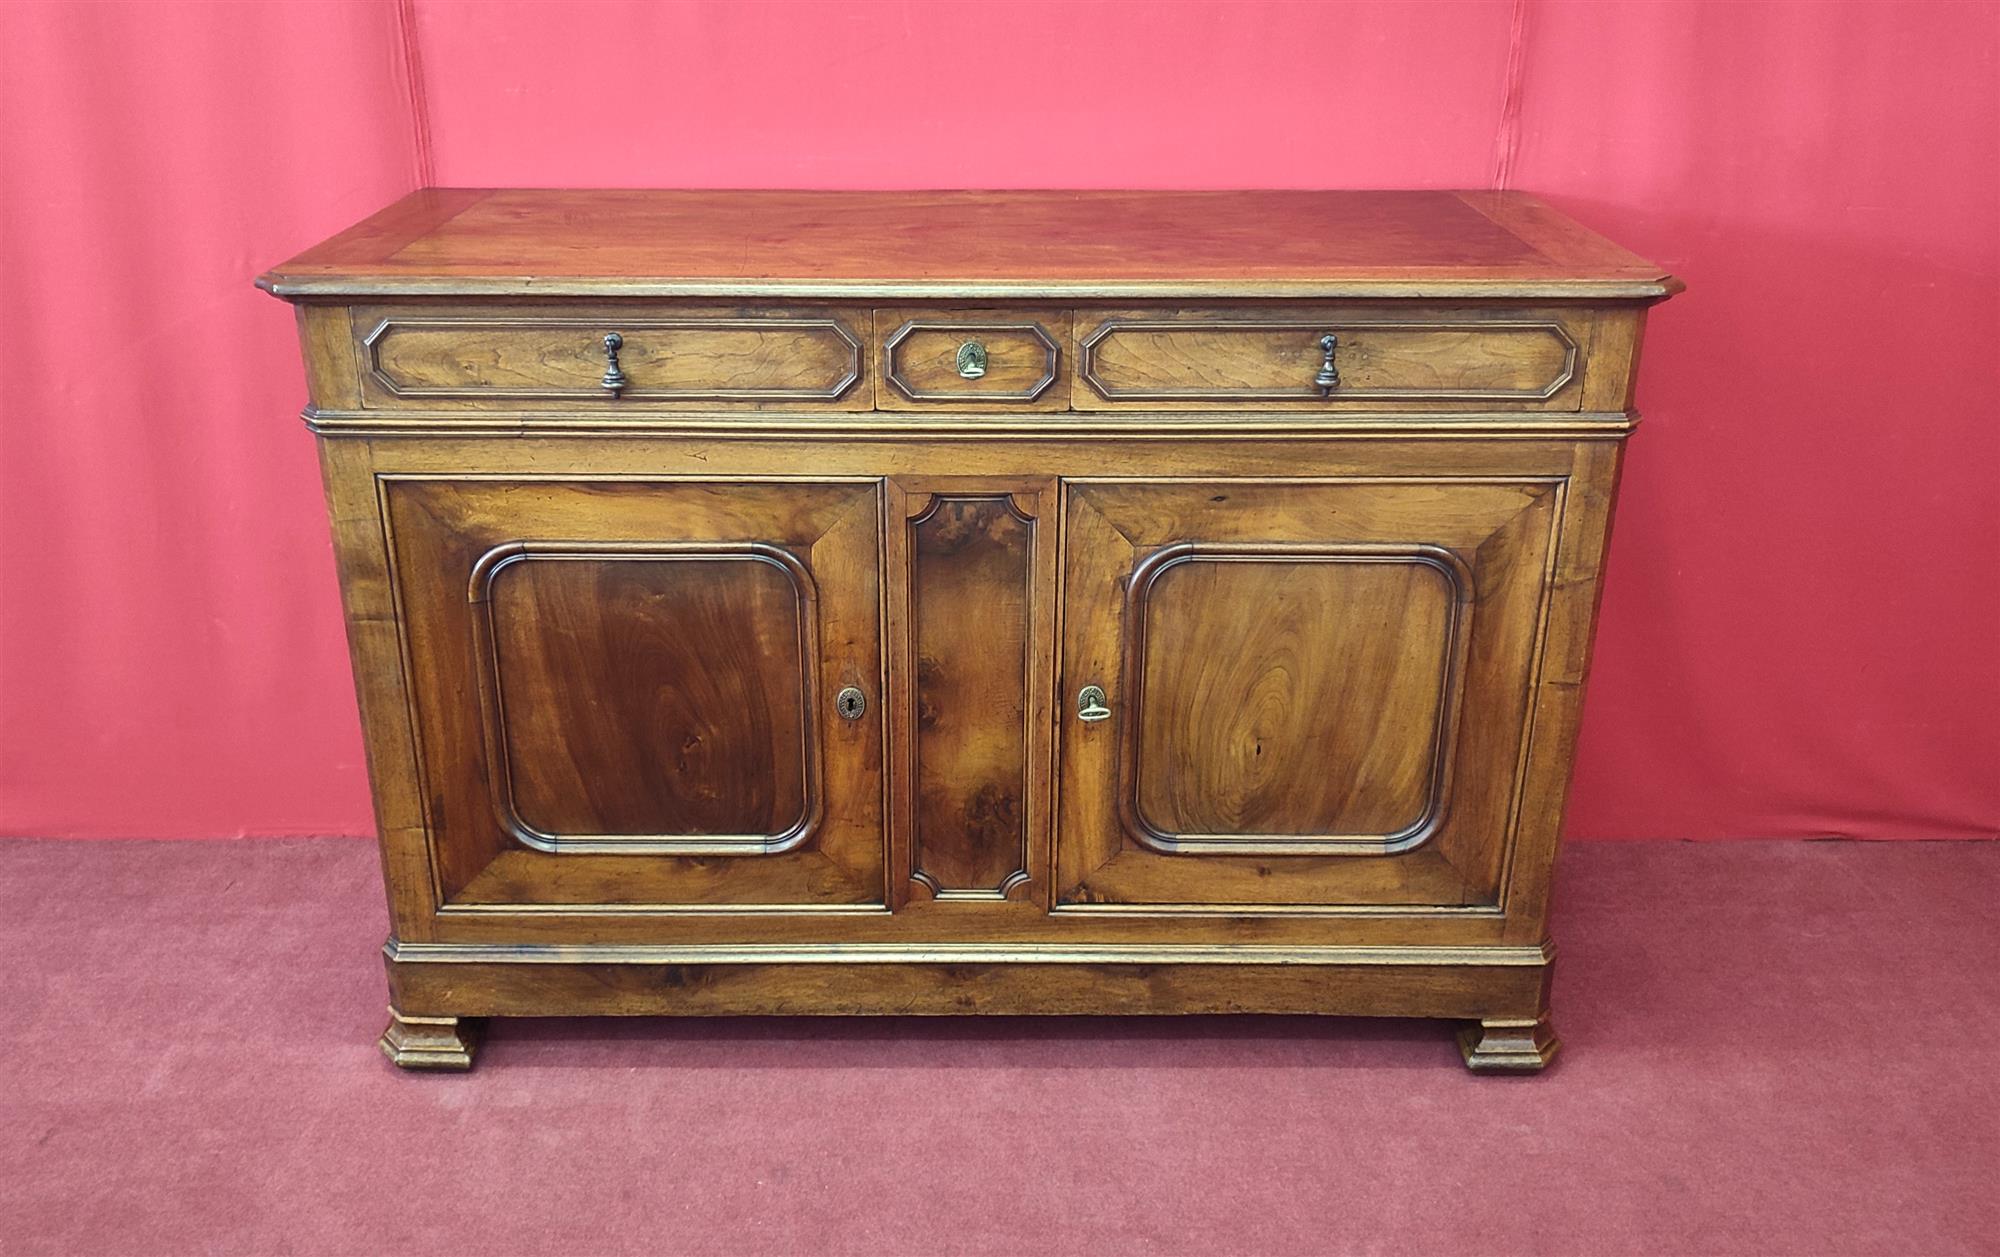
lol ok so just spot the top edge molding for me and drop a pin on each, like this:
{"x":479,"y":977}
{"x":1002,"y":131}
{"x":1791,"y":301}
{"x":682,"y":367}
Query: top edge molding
{"x":310,"y":287}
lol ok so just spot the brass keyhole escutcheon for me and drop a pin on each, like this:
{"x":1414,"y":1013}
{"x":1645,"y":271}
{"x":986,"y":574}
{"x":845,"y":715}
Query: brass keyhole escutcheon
{"x":972,"y":360}
{"x":850,"y":703}
{"x":1090,"y":704}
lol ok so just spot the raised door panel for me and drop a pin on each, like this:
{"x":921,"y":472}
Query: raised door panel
{"x":1289,"y":696}
{"x":656,"y":693}
{"x":1315,"y":692}
{"x":647,"y":694}
{"x":972,"y":558}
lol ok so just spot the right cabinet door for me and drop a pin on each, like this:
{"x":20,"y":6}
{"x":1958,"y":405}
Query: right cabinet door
{"x":1313,"y":692}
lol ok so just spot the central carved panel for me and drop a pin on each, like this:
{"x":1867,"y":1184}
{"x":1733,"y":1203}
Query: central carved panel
{"x":969,"y":601}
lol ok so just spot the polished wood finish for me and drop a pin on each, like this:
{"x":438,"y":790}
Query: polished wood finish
{"x":657,"y":689}
{"x":569,"y":242}
{"x":1297,"y":715}
{"x":933,"y":358}
{"x":1414,"y":983}
{"x":508,"y":357}
{"x":754,"y":684}
{"x":1188,"y":359}
{"x":1291,"y":685}
{"x":1508,"y":1044}
{"x":430,"y":1042}
{"x":969,"y":621}
{"x":606,"y":668}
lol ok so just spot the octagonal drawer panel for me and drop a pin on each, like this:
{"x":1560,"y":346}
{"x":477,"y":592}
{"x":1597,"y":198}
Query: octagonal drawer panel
{"x":602,"y":357}
{"x":934,"y":358}
{"x":1356,"y":358}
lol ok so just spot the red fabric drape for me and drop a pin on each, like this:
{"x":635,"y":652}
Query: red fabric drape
{"x":1801,"y":630}
{"x":1801,"y":624}
{"x":171,"y":658}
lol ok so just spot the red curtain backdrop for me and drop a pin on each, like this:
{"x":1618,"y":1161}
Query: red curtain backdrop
{"x":1801,"y":631}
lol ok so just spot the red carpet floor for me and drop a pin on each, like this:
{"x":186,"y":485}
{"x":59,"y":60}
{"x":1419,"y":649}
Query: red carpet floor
{"x":1772,"y":1048}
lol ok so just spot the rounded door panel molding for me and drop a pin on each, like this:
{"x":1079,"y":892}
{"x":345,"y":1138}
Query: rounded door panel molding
{"x":1305,"y":728}
{"x":662,"y":695}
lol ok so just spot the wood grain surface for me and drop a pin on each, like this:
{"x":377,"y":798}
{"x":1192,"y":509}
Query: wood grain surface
{"x":1024,"y":355}
{"x":762,"y":243}
{"x":654,"y":691}
{"x":1183,"y":359}
{"x":1295,"y":692}
{"x":970,"y":600}
{"x":601,"y":635}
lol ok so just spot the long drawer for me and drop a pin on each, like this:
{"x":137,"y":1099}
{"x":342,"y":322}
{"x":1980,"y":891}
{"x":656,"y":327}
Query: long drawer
{"x":1330,"y":358}
{"x":656,"y":357}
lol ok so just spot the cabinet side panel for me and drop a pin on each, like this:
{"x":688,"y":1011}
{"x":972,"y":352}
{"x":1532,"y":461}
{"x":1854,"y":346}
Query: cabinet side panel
{"x":1558,"y":699}
{"x":333,"y":377}
{"x":375,"y":646}
{"x":1614,"y":358}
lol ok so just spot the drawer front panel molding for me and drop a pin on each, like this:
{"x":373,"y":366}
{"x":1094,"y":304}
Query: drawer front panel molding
{"x":1191,"y":359}
{"x":949,"y":357}
{"x":425,"y":359}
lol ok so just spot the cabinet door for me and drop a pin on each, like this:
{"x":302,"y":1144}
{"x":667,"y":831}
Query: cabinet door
{"x":1315,"y":692}
{"x":645,"y":692}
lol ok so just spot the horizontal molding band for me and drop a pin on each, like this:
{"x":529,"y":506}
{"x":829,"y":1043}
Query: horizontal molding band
{"x":1065,"y":425}
{"x":665,"y":910}
{"x":351,"y":286}
{"x":957,"y":954}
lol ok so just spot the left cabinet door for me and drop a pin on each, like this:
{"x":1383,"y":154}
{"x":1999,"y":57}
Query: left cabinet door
{"x":642,"y":693}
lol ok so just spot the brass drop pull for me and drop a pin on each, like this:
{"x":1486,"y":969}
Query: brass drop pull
{"x":850,"y":703}
{"x":1328,"y":378}
{"x":972,"y":360}
{"x":1090,"y":706}
{"x":614,"y":375}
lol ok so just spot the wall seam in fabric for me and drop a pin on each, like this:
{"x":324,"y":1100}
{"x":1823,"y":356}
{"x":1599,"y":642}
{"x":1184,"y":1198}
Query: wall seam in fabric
{"x":1507,"y":135}
{"x":413,"y":83}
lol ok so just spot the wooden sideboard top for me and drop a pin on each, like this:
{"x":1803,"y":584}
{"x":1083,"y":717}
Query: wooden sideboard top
{"x":969,"y":245}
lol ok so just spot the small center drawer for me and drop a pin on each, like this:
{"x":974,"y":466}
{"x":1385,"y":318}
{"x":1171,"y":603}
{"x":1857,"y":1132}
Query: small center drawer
{"x":455,"y":358}
{"x":934,"y":358}
{"x":1329,"y":359}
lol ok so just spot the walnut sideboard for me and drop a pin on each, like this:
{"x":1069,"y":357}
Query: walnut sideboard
{"x":1020,"y":602}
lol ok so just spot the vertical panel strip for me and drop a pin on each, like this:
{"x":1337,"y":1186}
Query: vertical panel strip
{"x":972,"y":566}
